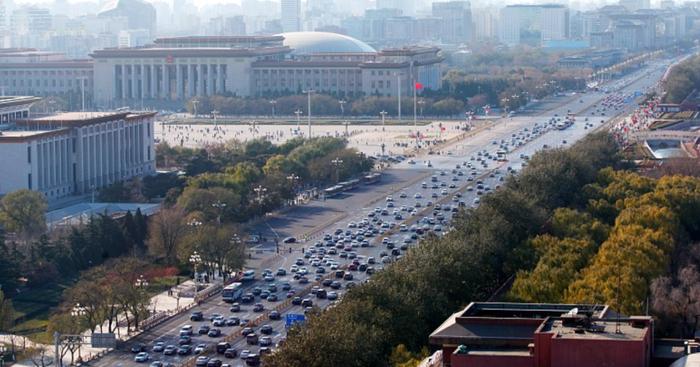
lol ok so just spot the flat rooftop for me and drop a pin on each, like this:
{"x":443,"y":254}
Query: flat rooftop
{"x":17,"y":136}
{"x":624,"y":329}
{"x":79,"y":116}
{"x":9,"y":101}
{"x":529,"y":310}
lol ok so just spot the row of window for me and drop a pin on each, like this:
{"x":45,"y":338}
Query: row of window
{"x":306,"y":71}
{"x":46,"y":72}
{"x":53,"y":83}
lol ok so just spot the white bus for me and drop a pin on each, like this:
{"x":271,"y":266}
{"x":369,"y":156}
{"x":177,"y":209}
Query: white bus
{"x":232,"y":292}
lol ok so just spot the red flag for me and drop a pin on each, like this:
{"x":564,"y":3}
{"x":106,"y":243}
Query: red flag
{"x":419,"y":85}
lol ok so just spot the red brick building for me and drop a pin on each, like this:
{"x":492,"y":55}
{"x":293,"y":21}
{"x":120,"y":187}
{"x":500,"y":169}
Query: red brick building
{"x":543,"y":335}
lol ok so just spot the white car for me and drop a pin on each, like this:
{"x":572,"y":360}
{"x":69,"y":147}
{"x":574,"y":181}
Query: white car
{"x":417,"y":195}
{"x":141,"y":357}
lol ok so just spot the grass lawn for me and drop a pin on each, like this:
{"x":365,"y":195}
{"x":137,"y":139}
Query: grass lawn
{"x":33,"y":307}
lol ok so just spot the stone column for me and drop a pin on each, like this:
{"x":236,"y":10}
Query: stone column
{"x":179,"y":77}
{"x":210,"y":79}
{"x":190,"y":80}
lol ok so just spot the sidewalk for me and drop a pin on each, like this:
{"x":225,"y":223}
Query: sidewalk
{"x":164,"y":304}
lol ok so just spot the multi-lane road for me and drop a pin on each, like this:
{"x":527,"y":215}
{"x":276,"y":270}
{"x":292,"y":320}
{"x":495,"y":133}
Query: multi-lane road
{"x":411,"y":189}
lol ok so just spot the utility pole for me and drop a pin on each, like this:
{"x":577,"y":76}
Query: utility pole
{"x":195,"y":103}
{"x":342,"y":108}
{"x":383,"y":113}
{"x":415,"y":103}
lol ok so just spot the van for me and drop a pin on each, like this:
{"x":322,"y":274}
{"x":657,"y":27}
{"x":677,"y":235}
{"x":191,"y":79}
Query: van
{"x":252,"y":339}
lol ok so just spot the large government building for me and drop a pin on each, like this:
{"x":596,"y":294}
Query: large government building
{"x":179,"y":68}
{"x":72,"y":153}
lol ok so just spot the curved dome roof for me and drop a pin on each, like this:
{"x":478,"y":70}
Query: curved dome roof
{"x":304,"y":43}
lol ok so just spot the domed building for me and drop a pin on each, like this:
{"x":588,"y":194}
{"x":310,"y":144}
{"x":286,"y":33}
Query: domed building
{"x":305,"y":43}
{"x":178,"y":68}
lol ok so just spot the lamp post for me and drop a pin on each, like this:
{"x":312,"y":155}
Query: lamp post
{"x":342,"y":103}
{"x":383,"y":113}
{"x":260,"y":191}
{"x":214,"y":113}
{"x":273,"y":103}
{"x":220,"y":206}
{"x":195,"y":103}
{"x":421,"y":103}
{"x":308,"y":107}
{"x":195,"y":259}
{"x":298,"y":112}
{"x":337,"y":162}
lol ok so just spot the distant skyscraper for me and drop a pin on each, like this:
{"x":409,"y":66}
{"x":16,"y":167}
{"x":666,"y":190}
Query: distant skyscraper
{"x":291,"y":15}
{"x":456,"y":26}
{"x":523,"y":23}
{"x":634,"y":5}
{"x":407,"y":7}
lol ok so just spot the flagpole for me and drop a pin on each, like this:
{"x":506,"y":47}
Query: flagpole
{"x":415,"y":93}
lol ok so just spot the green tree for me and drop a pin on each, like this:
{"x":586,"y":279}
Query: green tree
{"x":23,"y":212}
{"x":7,"y":313}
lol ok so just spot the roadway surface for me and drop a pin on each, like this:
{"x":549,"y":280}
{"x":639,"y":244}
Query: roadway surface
{"x":518,"y":134}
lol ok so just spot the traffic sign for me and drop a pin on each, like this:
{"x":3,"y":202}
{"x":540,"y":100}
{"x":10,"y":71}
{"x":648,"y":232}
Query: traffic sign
{"x":103,"y":340}
{"x":294,"y":318}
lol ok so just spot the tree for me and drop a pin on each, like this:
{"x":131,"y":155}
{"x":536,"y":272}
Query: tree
{"x":167,"y":229}
{"x":41,"y":357}
{"x":221,"y":246}
{"x":677,"y":300}
{"x":7,"y":313}
{"x":23,"y":212}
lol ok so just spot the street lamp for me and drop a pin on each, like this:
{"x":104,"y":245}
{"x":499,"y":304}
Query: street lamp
{"x":308,"y":107}
{"x":337,"y":162}
{"x":383,"y":113}
{"x":195,"y":103}
{"x":421,"y":103}
{"x":260,"y":191}
{"x":273,"y":103}
{"x":195,"y":259}
{"x":214,"y":113}
{"x":220,"y":206}
{"x":342,"y":103}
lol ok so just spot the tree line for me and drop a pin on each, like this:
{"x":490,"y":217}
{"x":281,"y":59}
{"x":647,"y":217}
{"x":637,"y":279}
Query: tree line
{"x":629,"y":244}
{"x":401,"y":305}
{"x":682,"y":80}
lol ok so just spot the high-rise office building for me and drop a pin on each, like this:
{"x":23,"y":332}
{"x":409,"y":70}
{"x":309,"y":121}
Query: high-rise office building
{"x":291,"y":15}
{"x":554,"y":24}
{"x":456,"y":26}
{"x":407,"y":7}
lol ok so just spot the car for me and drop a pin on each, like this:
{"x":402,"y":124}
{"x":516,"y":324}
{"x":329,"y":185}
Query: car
{"x":184,"y":339}
{"x":252,"y":360}
{"x":201,"y":361}
{"x":170,"y":350}
{"x":306,"y":302}
{"x":158,"y":347}
{"x":332,"y":296}
{"x":236,"y":307}
{"x":142,"y":357}
{"x":296,"y":301}
{"x":184,"y":350}
{"x":156,"y":364}
{"x":214,"y":362}
{"x":289,"y":240}
{"x":274,"y":315}
{"x":219,"y":322}
{"x":203,"y":329}
{"x":138,"y":348}
{"x":214,"y":333}
{"x":200,"y":348}
{"x":197,"y":316}
{"x":258,"y":307}
{"x":266,"y":329}
{"x":265,"y":341}
{"x":230,"y":353}
{"x":244,"y":354}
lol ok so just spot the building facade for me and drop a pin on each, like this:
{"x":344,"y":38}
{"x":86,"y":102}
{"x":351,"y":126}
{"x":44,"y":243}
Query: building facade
{"x":290,"y":11}
{"x":76,"y":153}
{"x":487,"y":334}
{"x":177,"y":69}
